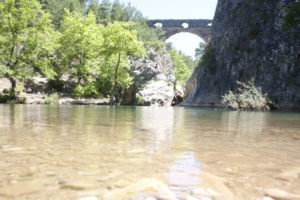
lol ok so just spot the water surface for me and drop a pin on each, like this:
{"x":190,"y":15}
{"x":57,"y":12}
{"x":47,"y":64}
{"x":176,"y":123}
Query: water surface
{"x":68,"y":152}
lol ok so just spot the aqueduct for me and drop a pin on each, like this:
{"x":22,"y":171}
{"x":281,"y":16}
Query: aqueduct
{"x":200,"y":27}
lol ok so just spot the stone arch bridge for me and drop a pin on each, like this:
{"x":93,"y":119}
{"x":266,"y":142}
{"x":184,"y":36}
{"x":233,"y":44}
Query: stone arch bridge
{"x":200,"y":27}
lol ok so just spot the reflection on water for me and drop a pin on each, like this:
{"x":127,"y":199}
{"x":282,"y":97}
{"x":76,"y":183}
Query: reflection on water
{"x":47,"y":151}
{"x":156,"y":125}
{"x":181,"y":172}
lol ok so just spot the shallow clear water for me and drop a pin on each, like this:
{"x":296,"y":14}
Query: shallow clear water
{"x":48,"y":151}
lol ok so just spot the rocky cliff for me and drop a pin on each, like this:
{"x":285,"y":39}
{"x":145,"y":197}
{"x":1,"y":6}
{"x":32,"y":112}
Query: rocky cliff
{"x":153,"y":79}
{"x":248,"y":41}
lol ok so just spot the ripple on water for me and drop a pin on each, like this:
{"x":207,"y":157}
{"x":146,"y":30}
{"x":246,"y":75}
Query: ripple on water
{"x":73,"y":152}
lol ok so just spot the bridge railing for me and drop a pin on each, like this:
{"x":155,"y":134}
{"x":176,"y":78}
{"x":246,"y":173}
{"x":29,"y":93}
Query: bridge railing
{"x":180,"y":22}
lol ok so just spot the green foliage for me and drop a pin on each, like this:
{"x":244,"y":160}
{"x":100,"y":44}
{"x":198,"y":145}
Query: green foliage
{"x":12,"y":99}
{"x":52,"y":99}
{"x":107,"y":12}
{"x":139,"y":99}
{"x":57,"y":8}
{"x":292,"y":17}
{"x":27,"y":40}
{"x":4,"y":98}
{"x":208,"y":58}
{"x":188,"y":60}
{"x":97,"y":56}
{"x":80,"y":45}
{"x":19,"y":88}
{"x":200,"y":51}
{"x":151,"y":37}
{"x":181,"y":70}
{"x":89,"y":89}
{"x":247,"y":97}
{"x":86,"y":45}
{"x":120,"y":42}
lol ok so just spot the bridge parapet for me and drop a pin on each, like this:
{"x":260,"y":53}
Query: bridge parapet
{"x":179,"y":22}
{"x":200,"y":27}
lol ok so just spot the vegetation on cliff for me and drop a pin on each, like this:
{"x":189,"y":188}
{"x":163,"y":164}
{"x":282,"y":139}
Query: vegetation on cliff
{"x":292,"y":17}
{"x":183,"y":65}
{"x":247,"y":97}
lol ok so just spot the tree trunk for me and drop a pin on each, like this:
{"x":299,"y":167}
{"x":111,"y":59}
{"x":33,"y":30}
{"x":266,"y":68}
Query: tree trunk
{"x":117,"y":87}
{"x":13,"y":86}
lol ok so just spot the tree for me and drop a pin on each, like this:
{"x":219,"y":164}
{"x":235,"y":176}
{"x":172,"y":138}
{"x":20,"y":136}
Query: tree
{"x":27,"y":40}
{"x":104,"y":13}
{"x":57,"y":8}
{"x":151,"y":37}
{"x":117,"y":11}
{"x":80,"y":45}
{"x":120,"y":42}
{"x":199,"y":51}
{"x":188,"y":60}
{"x":109,"y":12}
{"x":181,"y":71}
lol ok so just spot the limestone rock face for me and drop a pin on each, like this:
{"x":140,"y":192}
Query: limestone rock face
{"x":189,"y":86}
{"x":153,"y":80}
{"x":248,"y":41}
{"x":4,"y":84}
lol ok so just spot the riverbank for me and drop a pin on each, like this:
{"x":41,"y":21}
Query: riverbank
{"x":287,"y":107}
{"x":152,"y":84}
{"x":42,"y":99}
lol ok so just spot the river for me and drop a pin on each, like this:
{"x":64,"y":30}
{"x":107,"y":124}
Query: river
{"x":73,"y":152}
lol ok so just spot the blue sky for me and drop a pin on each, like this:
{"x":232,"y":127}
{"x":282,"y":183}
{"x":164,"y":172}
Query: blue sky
{"x":178,"y":9}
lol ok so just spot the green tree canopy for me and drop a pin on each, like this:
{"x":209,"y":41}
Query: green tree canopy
{"x":182,"y":68}
{"x":27,"y":40}
{"x":120,"y":42}
{"x":80,"y":44}
{"x":109,"y":12}
{"x":199,"y":51}
{"x":57,"y":8}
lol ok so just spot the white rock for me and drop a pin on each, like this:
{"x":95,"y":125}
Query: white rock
{"x":280,"y":194}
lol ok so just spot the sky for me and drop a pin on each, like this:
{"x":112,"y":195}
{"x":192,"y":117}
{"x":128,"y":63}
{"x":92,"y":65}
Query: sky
{"x":178,"y":9}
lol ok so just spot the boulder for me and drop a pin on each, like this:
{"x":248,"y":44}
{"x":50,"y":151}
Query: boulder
{"x":4,"y":84}
{"x":179,"y":95}
{"x":153,"y":80}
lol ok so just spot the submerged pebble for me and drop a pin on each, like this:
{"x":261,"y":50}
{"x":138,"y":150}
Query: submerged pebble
{"x":280,"y":194}
{"x":78,"y":185}
{"x":19,"y":189}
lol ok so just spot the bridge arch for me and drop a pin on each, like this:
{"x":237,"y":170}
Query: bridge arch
{"x":200,"y":27}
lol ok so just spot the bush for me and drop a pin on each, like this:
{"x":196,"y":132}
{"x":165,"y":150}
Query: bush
{"x":52,"y":99}
{"x":208,"y":58}
{"x":247,"y":97}
{"x":18,"y":100}
{"x":12,"y":99}
{"x":139,"y":99}
{"x":292,"y":17}
{"x":85,"y":91}
{"x":4,"y":98}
